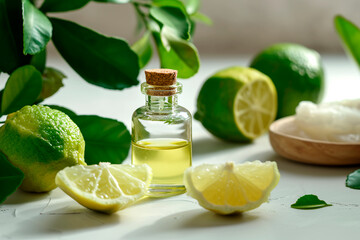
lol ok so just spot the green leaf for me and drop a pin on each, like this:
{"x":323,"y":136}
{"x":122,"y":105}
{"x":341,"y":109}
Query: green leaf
{"x":309,"y":201}
{"x":350,"y":36}
{"x":62,"y":5}
{"x":100,"y":60}
{"x":106,"y":140}
{"x":170,"y":3}
{"x":140,"y":24}
{"x":10,"y":178}
{"x":143,"y":49}
{"x":51,"y":83}
{"x":192,"y":6}
{"x":22,"y":88}
{"x":11,"y":40}
{"x":183,"y":56}
{"x":199,"y":17}
{"x":37,"y":29}
{"x":353,"y":180}
{"x":1,"y":94}
{"x":112,"y":1}
{"x":173,"y":17}
{"x":39,"y":60}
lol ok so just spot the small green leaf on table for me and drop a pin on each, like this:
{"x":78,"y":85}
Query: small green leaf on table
{"x":10,"y":178}
{"x":103,"y":61}
{"x":143,"y":49}
{"x":106,"y":140}
{"x":309,"y":201}
{"x":37,"y":29}
{"x":353,"y":180}
{"x":62,"y":5}
{"x":350,"y":36}
{"x":22,"y":88}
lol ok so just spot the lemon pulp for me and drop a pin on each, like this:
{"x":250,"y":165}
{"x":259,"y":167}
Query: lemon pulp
{"x":105,"y":187}
{"x":229,"y":188}
{"x":255,"y":108}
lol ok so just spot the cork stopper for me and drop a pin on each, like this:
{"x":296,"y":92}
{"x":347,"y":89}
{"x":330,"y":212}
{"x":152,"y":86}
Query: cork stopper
{"x":161,"y":77}
{"x":162,"y":82}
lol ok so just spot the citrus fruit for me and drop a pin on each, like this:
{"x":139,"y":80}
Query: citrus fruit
{"x":40,"y":141}
{"x":230,"y":188}
{"x":296,"y":71}
{"x":237,"y":104}
{"x":105,"y":187}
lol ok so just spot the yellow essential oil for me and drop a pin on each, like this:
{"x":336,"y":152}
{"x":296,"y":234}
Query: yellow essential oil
{"x":161,"y":133}
{"x":168,"y":158}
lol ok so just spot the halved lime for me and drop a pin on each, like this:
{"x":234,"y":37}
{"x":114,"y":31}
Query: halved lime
{"x":237,"y":104}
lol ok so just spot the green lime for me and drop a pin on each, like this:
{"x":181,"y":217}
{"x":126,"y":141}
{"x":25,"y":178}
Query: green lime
{"x":237,"y":104}
{"x":296,"y":71}
{"x":41,"y":141}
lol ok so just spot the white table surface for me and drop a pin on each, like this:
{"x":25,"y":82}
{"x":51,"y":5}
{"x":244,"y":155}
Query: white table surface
{"x":54,"y":215}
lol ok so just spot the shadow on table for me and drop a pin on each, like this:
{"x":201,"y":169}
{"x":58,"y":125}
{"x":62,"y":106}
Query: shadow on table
{"x":205,"y":146}
{"x":292,"y":167}
{"x":63,"y":221}
{"x":20,"y":196}
{"x":192,"y":219}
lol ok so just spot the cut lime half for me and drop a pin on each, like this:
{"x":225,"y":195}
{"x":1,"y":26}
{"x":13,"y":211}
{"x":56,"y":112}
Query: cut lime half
{"x":237,"y":104}
{"x":255,"y":108}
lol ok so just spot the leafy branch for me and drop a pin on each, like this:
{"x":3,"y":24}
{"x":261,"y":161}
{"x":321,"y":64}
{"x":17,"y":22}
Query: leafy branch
{"x":349,"y":33}
{"x":107,"y":62}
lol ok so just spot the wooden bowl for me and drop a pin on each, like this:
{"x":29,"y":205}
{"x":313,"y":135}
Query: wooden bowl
{"x":287,"y":143}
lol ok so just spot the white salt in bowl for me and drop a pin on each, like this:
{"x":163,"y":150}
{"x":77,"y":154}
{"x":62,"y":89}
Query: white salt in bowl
{"x":289,"y":141}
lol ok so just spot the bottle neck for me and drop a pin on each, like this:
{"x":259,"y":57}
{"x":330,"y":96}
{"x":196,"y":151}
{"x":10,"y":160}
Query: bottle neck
{"x":161,"y":103}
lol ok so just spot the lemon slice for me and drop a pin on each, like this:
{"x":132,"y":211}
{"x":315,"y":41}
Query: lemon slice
{"x":229,"y":188}
{"x":105,"y":187}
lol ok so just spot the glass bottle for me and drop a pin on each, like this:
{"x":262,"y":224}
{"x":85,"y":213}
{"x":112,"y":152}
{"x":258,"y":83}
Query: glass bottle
{"x":161,"y":133}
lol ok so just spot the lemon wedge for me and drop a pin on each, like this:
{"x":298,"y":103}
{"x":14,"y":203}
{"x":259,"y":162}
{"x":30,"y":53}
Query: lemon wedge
{"x":105,"y":187}
{"x":229,"y":188}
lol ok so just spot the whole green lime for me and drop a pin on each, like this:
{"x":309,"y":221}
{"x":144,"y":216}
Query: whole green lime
{"x":296,"y":71}
{"x":41,"y":141}
{"x":237,"y":104}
